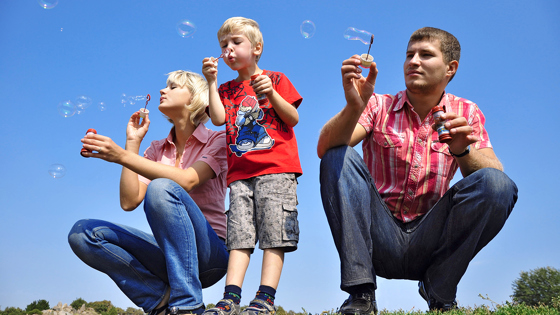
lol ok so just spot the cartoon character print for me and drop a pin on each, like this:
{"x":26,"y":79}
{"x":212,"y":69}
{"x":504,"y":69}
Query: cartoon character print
{"x":251,"y":135}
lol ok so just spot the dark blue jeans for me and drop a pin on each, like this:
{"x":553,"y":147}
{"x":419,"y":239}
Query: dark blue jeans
{"x":435,"y":248}
{"x":184,"y":253}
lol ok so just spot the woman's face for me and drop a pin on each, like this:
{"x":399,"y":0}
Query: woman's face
{"x":174,"y":99}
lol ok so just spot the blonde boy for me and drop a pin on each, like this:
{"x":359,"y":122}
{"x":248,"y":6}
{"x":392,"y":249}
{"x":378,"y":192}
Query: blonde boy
{"x":263,"y":163}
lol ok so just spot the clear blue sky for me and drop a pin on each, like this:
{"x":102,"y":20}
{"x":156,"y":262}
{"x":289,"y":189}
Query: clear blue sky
{"x":102,"y":49}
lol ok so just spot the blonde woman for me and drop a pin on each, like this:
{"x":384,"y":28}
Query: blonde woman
{"x":182,"y":181}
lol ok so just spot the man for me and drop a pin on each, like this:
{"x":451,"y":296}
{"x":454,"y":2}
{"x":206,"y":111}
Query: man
{"x":392,"y":214}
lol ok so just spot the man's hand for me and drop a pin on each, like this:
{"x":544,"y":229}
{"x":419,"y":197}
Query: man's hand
{"x":460,"y":131}
{"x":357,"y":89}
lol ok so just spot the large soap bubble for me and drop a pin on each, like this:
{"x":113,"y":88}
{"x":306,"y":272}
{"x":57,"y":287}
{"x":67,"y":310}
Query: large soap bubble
{"x":57,"y":170}
{"x":66,"y":108}
{"x":353,"y":33}
{"x":48,"y":4}
{"x":82,"y":102}
{"x":186,"y":28}
{"x":307,"y":29}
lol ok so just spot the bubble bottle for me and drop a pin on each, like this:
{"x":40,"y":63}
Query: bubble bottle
{"x":90,"y":131}
{"x":443,"y":133}
{"x":260,"y":97}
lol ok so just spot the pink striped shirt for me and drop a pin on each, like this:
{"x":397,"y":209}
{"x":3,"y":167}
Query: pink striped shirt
{"x":411,"y":168}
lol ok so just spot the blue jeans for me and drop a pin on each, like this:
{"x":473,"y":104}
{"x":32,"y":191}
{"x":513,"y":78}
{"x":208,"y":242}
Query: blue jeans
{"x":184,"y":252}
{"x":435,"y":248}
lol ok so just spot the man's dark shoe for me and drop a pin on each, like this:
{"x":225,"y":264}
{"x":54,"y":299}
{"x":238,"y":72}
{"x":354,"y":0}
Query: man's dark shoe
{"x":359,"y":304}
{"x":433,"y":304}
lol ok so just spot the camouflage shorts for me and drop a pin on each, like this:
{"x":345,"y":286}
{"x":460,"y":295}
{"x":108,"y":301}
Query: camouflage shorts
{"x":263,"y":209}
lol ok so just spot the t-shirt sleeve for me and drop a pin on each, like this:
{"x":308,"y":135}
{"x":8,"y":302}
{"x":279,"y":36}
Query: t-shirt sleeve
{"x":287,"y":90}
{"x":214,"y":153}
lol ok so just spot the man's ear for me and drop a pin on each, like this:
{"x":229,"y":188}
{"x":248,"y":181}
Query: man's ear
{"x":452,"y":67}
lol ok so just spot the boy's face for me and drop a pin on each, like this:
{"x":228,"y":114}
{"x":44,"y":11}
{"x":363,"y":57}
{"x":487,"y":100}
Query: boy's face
{"x":241,"y":54}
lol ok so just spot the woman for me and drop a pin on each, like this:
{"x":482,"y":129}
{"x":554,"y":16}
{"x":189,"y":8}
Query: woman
{"x":182,"y":181}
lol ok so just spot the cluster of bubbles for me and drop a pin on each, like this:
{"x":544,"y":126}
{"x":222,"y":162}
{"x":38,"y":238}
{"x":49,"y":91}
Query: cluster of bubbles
{"x":353,"y":33}
{"x":131,"y":100}
{"x":57,"y":170}
{"x":307,"y":29}
{"x":47,"y":4}
{"x":69,"y":108}
{"x":186,"y":28}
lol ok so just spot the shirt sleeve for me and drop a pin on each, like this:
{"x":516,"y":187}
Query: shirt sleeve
{"x":149,"y":154}
{"x":214,"y":153}
{"x":286,"y":89}
{"x":477,"y":120}
{"x":368,"y":115}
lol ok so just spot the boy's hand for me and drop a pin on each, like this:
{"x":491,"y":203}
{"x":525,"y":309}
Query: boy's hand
{"x":210,"y":69}
{"x":262,"y":85}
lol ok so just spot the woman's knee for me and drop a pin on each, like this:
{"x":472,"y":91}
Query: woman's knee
{"x":80,"y":235}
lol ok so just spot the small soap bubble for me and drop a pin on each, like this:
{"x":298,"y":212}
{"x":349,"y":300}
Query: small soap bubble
{"x":186,"y":28}
{"x":66,"y":108}
{"x":307,"y":29}
{"x":353,"y":33}
{"x":140,"y":98}
{"x":47,"y":4}
{"x":57,"y":170}
{"x":83,"y":102}
{"x":101,"y":106}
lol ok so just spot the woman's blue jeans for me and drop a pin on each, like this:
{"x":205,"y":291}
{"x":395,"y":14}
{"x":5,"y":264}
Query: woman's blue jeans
{"x":184,"y":252}
{"x":435,"y":248}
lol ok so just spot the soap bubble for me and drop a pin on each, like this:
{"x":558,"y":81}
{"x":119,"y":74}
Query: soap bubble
{"x":102,"y":106}
{"x":353,"y":33}
{"x":48,"y":4}
{"x":66,"y":108}
{"x":128,"y":100}
{"x":57,"y":170}
{"x":307,"y":29}
{"x":140,"y":98}
{"x":83,"y":102}
{"x":186,"y":28}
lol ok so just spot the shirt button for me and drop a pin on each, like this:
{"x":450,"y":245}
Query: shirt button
{"x":410,"y":192}
{"x":405,"y":212}
{"x":385,"y":143}
{"x":419,"y":140}
{"x":416,"y":166}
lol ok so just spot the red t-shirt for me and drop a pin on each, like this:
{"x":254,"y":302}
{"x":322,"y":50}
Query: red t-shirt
{"x":258,"y":141}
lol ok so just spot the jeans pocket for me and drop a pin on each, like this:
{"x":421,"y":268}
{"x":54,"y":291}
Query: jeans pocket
{"x":291,"y":226}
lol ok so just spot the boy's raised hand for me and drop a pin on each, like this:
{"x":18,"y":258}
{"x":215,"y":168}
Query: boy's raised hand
{"x":210,"y":69}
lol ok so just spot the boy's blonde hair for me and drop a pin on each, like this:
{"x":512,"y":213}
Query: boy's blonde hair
{"x":198,"y":87}
{"x":249,"y":28}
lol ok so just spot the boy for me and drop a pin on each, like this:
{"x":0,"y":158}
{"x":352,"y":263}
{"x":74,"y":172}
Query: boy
{"x":259,"y":109}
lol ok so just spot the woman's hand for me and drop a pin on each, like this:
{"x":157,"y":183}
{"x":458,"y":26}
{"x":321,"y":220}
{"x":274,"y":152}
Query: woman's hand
{"x":136,"y":130}
{"x":102,"y":147}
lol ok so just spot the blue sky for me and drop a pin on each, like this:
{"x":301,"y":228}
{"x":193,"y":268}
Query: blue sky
{"x":102,"y":49}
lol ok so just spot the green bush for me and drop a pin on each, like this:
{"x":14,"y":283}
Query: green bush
{"x":538,"y":286}
{"x":37,"y":305}
{"x":77,"y":303}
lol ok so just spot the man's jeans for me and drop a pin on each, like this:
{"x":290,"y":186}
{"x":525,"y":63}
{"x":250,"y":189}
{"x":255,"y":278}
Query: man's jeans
{"x":184,"y":253}
{"x":435,"y":248}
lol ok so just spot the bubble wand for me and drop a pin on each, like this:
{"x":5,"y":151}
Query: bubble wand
{"x":367,"y":59}
{"x":144,"y":111}
{"x":225,"y":54}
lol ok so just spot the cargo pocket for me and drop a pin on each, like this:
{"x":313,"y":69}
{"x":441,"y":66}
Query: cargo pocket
{"x":290,"y":222}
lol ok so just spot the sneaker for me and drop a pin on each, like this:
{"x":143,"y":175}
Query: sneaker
{"x":259,"y":307}
{"x":434,"y":304}
{"x":224,"y":307}
{"x":359,"y":304}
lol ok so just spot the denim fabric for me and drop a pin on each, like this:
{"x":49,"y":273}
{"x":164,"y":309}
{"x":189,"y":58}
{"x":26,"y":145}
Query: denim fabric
{"x":435,"y":248}
{"x":184,"y":252}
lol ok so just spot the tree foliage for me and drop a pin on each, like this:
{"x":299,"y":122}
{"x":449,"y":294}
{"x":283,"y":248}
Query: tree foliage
{"x":100,"y":307}
{"x":77,"y":303}
{"x":40,"y":305}
{"x":12,"y":311}
{"x":537,"y":286}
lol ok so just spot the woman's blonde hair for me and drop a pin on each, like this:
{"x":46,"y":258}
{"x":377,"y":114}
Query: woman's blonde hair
{"x":249,"y":28}
{"x":198,"y":87}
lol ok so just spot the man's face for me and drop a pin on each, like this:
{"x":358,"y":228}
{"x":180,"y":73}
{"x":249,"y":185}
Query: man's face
{"x":424,"y":68}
